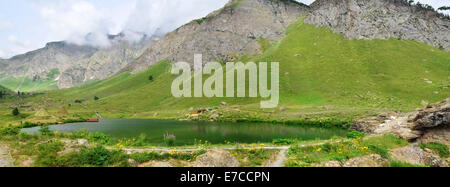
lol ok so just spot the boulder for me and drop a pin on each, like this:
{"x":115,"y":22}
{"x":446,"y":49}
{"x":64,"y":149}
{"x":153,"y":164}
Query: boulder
{"x":413,"y":154}
{"x":332,"y":164}
{"x":132,"y":163}
{"x":373,"y":160}
{"x":216,"y":158}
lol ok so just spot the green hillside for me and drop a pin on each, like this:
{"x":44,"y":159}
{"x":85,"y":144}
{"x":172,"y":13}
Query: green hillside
{"x":320,"y":73}
{"x":5,"y":90}
{"x":28,"y":85}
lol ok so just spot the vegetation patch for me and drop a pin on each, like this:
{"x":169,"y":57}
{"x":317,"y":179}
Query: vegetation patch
{"x":441,"y":149}
{"x":343,"y":150}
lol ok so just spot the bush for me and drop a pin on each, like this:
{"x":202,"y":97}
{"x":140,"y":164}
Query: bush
{"x":48,"y":153}
{"x":97,"y":156}
{"x":15,"y":112}
{"x":45,"y":131}
{"x":96,"y":98}
{"x":355,"y":134}
{"x":169,"y":139}
{"x":282,"y":141}
{"x":100,"y":138}
{"x":10,"y":130}
{"x":441,"y":149}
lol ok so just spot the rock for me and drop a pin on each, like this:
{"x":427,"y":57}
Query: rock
{"x":74,"y":145}
{"x":369,"y":125}
{"x":332,"y":164}
{"x":216,"y":158}
{"x":383,"y":19}
{"x":132,"y":163}
{"x":434,"y":116}
{"x":223,"y":104}
{"x":373,"y":160}
{"x":413,"y":154}
{"x":156,"y":164}
{"x":283,"y":108}
{"x":433,"y":121}
{"x":82,"y":142}
{"x":297,"y":55}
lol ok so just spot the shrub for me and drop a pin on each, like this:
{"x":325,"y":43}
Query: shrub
{"x":15,"y":112}
{"x":10,"y":130}
{"x":441,"y":149}
{"x":97,"y":156}
{"x":100,"y":138}
{"x":96,"y":98}
{"x":48,"y":153}
{"x":282,"y":141}
{"x":355,"y":134}
{"x":45,"y":131}
{"x":169,"y":139}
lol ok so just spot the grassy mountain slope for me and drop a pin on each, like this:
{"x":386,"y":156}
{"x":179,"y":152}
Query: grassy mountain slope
{"x":25,"y":84}
{"x":5,"y":90}
{"x":321,"y":73}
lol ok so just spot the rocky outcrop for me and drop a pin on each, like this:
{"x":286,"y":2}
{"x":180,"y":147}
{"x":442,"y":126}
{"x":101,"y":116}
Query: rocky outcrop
{"x":429,"y":124}
{"x":367,"y":161}
{"x":225,"y":34}
{"x":383,"y":19}
{"x":216,"y":158}
{"x":413,"y":154}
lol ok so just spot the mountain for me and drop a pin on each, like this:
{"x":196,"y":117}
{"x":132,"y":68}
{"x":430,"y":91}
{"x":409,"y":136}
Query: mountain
{"x":233,"y":31}
{"x":324,"y":75}
{"x":63,"y":64}
{"x":382,"y":19}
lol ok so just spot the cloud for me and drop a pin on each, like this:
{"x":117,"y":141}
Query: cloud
{"x":73,"y":20}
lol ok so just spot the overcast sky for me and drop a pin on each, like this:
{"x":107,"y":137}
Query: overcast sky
{"x":27,"y":25}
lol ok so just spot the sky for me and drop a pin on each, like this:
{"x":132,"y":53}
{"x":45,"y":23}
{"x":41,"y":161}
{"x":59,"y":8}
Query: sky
{"x":26,"y":25}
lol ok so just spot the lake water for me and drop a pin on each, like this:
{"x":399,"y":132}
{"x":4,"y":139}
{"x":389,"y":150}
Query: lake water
{"x":186,"y":131}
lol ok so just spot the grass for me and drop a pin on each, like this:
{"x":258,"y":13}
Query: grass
{"x":396,"y":164}
{"x":441,"y":149}
{"x":25,"y":84}
{"x":333,"y":79}
{"x":255,"y":157}
{"x":300,"y":156}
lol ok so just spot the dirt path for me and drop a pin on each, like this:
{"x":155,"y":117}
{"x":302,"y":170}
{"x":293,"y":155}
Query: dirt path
{"x":5,"y":157}
{"x":281,"y":158}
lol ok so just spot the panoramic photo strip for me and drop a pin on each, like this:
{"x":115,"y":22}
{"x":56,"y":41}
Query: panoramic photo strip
{"x":224,"y":91}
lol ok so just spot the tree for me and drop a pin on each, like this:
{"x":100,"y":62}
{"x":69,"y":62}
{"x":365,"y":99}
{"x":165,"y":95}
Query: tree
{"x":150,"y":78}
{"x":444,"y":8}
{"x":1,"y":94}
{"x":15,"y":112}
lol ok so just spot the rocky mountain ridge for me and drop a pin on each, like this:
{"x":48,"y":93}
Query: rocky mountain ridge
{"x":69,"y":64}
{"x":381,"y":19}
{"x":225,"y":34}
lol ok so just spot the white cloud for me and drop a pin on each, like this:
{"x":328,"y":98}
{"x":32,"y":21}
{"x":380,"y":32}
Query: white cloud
{"x":73,"y":20}
{"x":2,"y":54}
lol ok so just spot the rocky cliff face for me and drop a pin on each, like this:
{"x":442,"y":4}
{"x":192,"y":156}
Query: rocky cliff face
{"x":225,"y":34}
{"x":369,"y":19}
{"x":431,"y":124}
{"x":70,"y":64}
